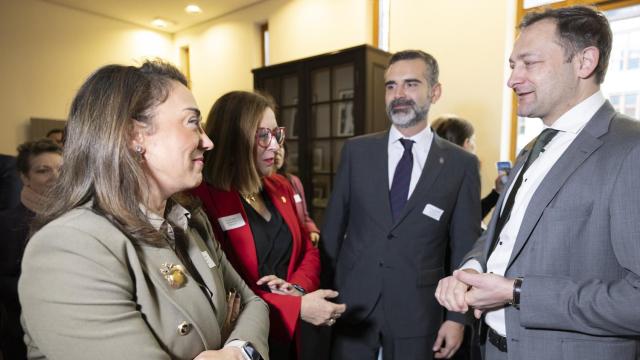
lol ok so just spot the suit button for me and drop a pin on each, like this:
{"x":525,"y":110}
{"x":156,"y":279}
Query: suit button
{"x":184,"y":328}
{"x":381,"y":263}
{"x":390,"y":236}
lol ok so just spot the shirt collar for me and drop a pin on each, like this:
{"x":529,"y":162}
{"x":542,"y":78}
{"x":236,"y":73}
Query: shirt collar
{"x":178,"y":215}
{"x":421,"y":139}
{"x":578,"y":116}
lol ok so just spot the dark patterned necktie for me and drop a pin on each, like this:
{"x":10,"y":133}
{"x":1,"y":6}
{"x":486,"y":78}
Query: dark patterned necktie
{"x":543,"y":139}
{"x":401,"y":179}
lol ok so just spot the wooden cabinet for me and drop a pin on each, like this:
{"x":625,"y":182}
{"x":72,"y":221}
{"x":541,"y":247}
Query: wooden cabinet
{"x":322,"y":101}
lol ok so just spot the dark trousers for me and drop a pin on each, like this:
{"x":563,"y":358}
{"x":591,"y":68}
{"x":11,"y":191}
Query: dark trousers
{"x":11,"y":335}
{"x":362,"y":341}
{"x":492,"y":353}
{"x":314,"y":342}
{"x":470,"y":348}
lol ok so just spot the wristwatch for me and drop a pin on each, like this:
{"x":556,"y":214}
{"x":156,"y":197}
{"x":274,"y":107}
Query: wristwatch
{"x":299,"y":288}
{"x":250,"y":352}
{"x":517,"y":288}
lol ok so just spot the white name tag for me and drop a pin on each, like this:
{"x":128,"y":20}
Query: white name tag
{"x":433,"y":212}
{"x":231,"y":222}
{"x":297,"y":198}
{"x":207,"y":258}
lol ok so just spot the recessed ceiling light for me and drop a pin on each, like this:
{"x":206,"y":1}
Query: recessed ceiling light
{"x":193,"y":9}
{"x":161,"y":23}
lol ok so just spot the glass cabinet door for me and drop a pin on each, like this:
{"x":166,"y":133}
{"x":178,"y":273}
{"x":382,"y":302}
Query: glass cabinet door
{"x":332,"y":90}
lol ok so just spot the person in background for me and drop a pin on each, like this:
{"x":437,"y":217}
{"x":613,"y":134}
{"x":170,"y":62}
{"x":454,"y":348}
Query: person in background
{"x":57,"y":136}
{"x":402,"y":200}
{"x":298,"y":194}
{"x":10,"y":184}
{"x":556,"y":275}
{"x":255,"y":218}
{"x":460,"y":132}
{"x":38,"y":163}
{"x":121,"y":266}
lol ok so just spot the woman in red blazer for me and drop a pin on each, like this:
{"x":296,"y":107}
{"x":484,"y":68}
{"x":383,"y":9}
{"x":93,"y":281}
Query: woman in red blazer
{"x":254,"y":217}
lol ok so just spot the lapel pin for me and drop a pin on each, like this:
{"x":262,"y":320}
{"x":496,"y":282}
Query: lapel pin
{"x":441,"y":160}
{"x":284,"y":200}
{"x":174,"y":274}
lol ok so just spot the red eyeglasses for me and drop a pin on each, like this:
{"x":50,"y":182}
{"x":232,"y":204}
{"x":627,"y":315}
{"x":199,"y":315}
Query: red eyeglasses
{"x":264,"y":136}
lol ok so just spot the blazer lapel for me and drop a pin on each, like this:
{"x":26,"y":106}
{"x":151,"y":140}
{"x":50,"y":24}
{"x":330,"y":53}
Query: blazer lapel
{"x":430,"y":172}
{"x":189,"y":299}
{"x":582,"y":147}
{"x":228,"y":203}
{"x":284,"y":205}
{"x":197,"y":250}
{"x":380,"y":150}
{"x":491,"y":228}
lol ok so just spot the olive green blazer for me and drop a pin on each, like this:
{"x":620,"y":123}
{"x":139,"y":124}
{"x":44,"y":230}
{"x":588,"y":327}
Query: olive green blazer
{"x":87,"y":292}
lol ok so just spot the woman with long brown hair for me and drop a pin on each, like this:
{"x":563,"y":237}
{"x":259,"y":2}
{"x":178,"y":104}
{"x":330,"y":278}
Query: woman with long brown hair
{"x":253,"y":213}
{"x":121,"y":266}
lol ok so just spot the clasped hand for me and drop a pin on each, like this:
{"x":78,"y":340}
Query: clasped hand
{"x":469,"y":289}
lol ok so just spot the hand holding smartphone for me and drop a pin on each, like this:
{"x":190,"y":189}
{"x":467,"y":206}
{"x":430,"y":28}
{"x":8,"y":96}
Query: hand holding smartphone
{"x":504,"y":168}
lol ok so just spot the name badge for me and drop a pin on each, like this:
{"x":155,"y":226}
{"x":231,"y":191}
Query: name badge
{"x":433,"y":212}
{"x":297,"y":198}
{"x":231,"y":222}
{"x":207,"y":258}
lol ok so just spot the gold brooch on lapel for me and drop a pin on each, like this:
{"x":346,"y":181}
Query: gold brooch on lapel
{"x":174,"y":274}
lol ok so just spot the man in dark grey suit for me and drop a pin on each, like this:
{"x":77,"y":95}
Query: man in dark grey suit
{"x":560,"y":263}
{"x":405,"y":204}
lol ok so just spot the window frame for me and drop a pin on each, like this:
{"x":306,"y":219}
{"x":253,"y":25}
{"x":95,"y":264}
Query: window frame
{"x":602,"y":5}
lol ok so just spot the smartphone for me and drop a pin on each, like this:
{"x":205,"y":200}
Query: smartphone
{"x":504,"y":168}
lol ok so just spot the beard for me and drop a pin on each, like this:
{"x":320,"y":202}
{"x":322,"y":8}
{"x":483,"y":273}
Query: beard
{"x":408,"y":117}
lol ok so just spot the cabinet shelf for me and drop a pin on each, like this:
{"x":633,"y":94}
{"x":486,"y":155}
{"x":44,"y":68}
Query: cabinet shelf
{"x":322,"y":101}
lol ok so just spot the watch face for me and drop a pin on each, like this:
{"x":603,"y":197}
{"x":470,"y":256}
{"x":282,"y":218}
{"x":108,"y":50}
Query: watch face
{"x":250,"y":351}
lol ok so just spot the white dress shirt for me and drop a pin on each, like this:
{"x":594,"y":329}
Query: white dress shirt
{"x":569,"y":125}
{"x":420,"y":151}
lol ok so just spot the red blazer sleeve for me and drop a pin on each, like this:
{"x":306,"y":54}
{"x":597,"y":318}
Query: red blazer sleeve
{"x":239,"y":247}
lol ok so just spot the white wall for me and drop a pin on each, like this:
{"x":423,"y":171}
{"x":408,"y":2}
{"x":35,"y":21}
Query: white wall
{"x":303,"y":28}
{"x":49,"y":50}
{"x":223,"y":51}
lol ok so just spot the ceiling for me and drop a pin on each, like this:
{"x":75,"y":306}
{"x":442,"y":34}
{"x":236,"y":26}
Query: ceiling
{"x":142,"y":12}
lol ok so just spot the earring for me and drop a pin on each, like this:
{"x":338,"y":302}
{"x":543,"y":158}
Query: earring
{"x":139,"y":150}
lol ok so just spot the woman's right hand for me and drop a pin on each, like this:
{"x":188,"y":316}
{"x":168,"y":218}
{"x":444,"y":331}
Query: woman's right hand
{"x":315,"y":309}
{"x":277,"y":285}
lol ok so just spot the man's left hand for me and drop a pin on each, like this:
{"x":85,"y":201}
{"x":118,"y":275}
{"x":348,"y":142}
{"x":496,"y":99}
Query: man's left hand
{"x":488,"y":291}
{"x":449,"y":340}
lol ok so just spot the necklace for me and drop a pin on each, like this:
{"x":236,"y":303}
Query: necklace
{"x":250,"y":198}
